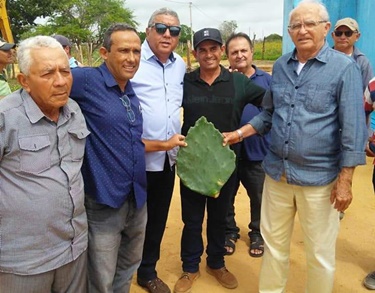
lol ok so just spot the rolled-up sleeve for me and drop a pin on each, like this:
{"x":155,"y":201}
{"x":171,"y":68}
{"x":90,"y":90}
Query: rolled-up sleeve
{"x":262,"y":122}
{"x":352,"y":118}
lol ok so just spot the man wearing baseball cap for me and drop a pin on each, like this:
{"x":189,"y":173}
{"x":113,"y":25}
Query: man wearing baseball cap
{"x":345,"y":34}
{"x":67,"y":45}
{"x":214,"y":92}
{"x":207,"y":34}
{"x":6,"y":57}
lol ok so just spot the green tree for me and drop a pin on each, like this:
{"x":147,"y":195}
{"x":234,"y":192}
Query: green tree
{"x":185,"y":34}
{"x":142,"y":35}
{"x":274,"y":37}
{"x":227,"y":28}
{"x":84,"y":23}
{"x":23,"y":13}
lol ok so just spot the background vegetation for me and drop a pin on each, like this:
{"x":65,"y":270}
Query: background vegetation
{"x":84,"y":22}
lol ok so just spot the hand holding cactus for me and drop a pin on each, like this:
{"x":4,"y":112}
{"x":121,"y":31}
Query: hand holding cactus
{"x":205,"y":165}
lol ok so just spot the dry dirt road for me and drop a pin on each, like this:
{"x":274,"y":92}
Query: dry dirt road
{"x":355,"y":247}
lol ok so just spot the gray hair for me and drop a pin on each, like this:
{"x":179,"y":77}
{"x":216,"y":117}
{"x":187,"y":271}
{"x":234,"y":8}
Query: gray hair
{"x":162,"y":11}
{"x":323,"y":13}
{"x":37,"y":42}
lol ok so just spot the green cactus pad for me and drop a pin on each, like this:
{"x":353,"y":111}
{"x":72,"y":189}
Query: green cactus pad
{"x":205,"y":165}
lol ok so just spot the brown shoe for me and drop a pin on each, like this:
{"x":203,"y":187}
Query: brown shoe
{"x":185,"y":282}
{"x":154,"y":286}
{"x":224,"y":277}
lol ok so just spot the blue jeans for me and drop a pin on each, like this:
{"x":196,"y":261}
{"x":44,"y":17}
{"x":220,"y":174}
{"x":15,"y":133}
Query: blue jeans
{"x":193,"y":209}
{"x":116,"y":239}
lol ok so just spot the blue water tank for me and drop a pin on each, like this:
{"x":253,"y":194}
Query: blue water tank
{"x":360,"y":10}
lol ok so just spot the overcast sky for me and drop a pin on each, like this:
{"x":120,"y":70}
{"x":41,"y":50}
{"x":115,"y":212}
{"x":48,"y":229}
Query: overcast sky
{"x":262,"y":17}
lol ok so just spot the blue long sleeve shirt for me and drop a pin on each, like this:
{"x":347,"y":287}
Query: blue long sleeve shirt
{"x":114,"y":164}
{"x":317,"y":118}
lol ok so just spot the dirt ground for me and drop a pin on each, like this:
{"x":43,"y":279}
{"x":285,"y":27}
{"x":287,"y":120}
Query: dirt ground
{"x":355,"y":247}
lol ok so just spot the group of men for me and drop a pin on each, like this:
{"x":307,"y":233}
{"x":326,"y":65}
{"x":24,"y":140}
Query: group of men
{"x":87,"y":181}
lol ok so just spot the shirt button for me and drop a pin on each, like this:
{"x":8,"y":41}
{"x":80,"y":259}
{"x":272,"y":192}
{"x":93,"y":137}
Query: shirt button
{"x":296,"y":87}
{"x":289,"y":124}
{"x":286,"y":142}
{"x":292,"y":105}
{"x":286,"y":159}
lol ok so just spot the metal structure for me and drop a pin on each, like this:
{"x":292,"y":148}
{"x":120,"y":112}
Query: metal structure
{"x":4,"y":23}
{"x":360,"y":10}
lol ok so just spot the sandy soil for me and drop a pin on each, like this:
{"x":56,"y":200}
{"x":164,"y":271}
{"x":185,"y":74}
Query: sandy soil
{"x":354,"y":256}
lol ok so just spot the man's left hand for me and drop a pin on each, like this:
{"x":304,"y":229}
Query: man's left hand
{"x":341,"y":194}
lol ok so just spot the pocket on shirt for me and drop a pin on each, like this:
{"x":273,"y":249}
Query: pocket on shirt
{"x":317,"y":99}
{"x":77,"y":140}
{"x":35,"y":155}
{"x":280,"y":96}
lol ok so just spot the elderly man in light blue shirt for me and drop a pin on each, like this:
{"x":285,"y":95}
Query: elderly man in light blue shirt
{"x":158,"y":85}
{"x":318,"y":137}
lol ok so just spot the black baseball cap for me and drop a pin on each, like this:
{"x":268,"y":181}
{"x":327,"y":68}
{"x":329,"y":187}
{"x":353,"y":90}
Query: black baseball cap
{"x":205,"y":34}
{"x":64,"y":41}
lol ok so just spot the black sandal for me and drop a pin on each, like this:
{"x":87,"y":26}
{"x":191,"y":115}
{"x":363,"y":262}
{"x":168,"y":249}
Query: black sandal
{"x":256,"y":243}
{"x":230,"y":244}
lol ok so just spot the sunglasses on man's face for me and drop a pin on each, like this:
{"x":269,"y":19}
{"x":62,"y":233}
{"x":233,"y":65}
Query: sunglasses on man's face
{"x":348,"y":34}
{"x":161,"y":28}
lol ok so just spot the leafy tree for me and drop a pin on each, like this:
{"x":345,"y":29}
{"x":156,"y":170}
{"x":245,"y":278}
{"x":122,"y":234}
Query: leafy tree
{"x":142,"y":35}
{"x":23,"y":13}
{"x":274,"y":37}
{"x":227,"y":28}
{"x":84,"y":23}
{"x":185,"y":34}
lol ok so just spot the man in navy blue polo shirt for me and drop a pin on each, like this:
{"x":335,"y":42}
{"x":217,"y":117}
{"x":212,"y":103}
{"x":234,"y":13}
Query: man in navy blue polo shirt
{"x":114,"y":164}
{"x":239,"y":50}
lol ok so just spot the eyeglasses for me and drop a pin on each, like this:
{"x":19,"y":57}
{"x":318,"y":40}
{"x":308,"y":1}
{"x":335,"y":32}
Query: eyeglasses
{"x":161,"y":28}
{"x":126,"y":102}
{"x":348,"y":34}
{"x":308,"y":25}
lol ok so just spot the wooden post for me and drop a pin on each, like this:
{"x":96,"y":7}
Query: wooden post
{"x":188,"y":61}
{"x":263,"y":47}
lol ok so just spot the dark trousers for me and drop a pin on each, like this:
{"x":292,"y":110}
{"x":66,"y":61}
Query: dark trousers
{"x":159,"y":194}
{"x":193,"y":210}
{"x":251,"y":175}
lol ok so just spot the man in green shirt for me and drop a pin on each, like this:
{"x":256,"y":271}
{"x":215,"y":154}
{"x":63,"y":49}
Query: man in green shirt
{"x":6,"y":57}
{"x":214,"y":92}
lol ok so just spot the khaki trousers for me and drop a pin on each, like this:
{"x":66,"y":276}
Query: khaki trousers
{"x":320,"y":225}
